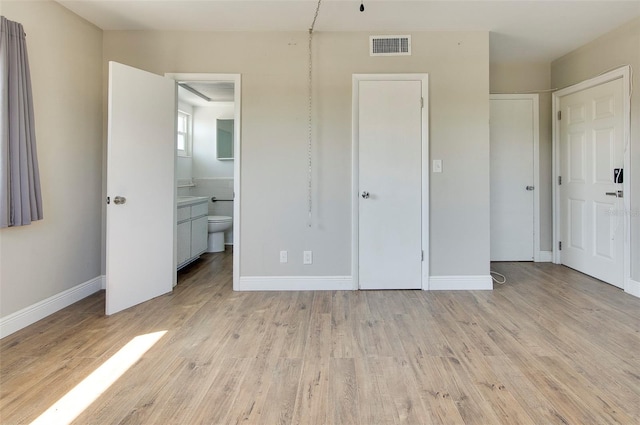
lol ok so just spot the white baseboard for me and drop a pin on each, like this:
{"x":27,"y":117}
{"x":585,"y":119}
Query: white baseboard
{"x":632,"y":287}
{"x":460,"y":283}
{"x":295,"y":283}
{"x":103,"y":282}
{"x":29,"y":315}
{"x":544,"y":257}
{"x":345,"y":283}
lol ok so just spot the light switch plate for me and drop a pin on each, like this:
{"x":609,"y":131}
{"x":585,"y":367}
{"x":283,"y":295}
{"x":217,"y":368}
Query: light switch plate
{"x":307,"y":257}
{"x":283,"y":257}
{"x":437,"y":165}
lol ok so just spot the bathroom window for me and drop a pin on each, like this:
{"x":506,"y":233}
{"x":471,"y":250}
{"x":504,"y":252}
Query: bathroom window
{"x":183,"y":139}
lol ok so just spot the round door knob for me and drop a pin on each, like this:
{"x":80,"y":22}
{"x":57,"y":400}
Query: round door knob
{"x":365,"y":195}
{"x":119,"y":200}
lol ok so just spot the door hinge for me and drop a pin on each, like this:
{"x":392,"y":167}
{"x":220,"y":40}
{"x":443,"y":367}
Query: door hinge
{"x":422,"y":255}
{"x":560,"y":245}
{"x":422,"y":102}
{"x":559,"y":180}
{"x":559,"y":115}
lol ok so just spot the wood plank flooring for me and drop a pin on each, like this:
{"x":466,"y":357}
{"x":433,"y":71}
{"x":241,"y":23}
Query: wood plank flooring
{"x":551,"y":346}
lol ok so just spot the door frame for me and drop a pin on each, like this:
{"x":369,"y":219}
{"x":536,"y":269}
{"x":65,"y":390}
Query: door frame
{"x":619,"y":73}
{"x":537,"y":255}
{"x":355,"y":169}
{"x":236,"y":78}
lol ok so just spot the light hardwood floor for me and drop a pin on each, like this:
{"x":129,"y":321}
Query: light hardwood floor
{"x":551,"y":346}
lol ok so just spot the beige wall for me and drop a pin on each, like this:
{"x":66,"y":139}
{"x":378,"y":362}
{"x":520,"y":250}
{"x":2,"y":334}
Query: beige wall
{"x":274,"y":134}
{"x":525,"y":77}
{"x":63,"y":250}
{"x":617,"y":48}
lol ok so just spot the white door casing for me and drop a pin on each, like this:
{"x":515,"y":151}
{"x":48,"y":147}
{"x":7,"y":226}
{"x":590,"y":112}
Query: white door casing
{"x":514,"y":178}
{"x":140,"y":248}
{"x":390,"y":221}
{"x":590,"y":140}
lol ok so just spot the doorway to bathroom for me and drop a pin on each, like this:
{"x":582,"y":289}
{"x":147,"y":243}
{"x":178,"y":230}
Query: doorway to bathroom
{"x":208,"y":153}
{"x":141,"y":183}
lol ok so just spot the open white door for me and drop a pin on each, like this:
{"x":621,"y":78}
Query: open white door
{"x":140,"y":187}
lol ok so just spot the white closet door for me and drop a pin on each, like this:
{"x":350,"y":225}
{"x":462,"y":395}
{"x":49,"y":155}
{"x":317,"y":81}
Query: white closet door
{"x":390,"y":172}
{"x":512,"y":179}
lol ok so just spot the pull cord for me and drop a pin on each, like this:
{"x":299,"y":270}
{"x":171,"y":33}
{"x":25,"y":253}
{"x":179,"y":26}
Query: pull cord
{"x":310,"y":120}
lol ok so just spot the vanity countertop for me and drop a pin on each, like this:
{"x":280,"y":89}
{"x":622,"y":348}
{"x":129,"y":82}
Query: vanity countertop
{"x":184,"y":201}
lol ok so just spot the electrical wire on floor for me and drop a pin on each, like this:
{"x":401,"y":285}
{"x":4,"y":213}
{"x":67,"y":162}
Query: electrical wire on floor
{"x":500,"y":279}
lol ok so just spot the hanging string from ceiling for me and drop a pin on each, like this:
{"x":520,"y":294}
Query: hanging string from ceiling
{"x":310,"y":119}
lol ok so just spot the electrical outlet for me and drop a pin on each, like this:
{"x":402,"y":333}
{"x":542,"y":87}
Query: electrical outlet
{"x":307,"y":257}
{"x":283,"y":257}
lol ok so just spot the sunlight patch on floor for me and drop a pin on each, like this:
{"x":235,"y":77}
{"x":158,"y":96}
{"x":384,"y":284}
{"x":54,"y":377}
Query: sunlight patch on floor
{"x":72,"y":404}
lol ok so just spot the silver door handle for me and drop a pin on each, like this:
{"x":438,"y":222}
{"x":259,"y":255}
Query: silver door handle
{"x":530,"y":187}
{"x":617,"y":194}
{"x":365,"y":195}
{"x":119,"y":200}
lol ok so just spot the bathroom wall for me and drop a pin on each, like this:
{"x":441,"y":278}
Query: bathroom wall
{"x":205,"y":162}
{"x":212,"y":177}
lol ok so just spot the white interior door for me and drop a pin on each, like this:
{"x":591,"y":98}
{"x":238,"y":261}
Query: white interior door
{"x":141,"y":170}
{"x":591,"y":147}
{"x":390,"y":180}
{"x":512,"y":179}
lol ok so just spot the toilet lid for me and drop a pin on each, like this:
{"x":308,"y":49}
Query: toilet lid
{"x":218,"y":218}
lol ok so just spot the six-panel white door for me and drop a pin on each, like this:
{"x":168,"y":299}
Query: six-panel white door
{"x":141,"y":170}
{"x":591,"y":144}
{"x":390,"y":183}
{"x":512,"y":179}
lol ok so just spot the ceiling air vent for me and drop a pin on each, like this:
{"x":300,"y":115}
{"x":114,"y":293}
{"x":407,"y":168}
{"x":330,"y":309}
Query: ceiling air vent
{"x":390,"y":45}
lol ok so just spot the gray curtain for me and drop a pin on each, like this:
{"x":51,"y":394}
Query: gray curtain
{"x":20,"y":196}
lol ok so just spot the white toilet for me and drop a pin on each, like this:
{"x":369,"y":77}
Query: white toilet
{"x":217,"y":225}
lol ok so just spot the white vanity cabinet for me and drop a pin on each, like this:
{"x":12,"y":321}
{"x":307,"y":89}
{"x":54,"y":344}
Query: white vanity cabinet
{"x":192,"y":229}
{"x":199,"y":235}
{"x":184,"y":243}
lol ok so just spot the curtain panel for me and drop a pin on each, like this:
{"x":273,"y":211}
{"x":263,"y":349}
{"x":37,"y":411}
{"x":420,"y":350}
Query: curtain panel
{"x":20,"y":193}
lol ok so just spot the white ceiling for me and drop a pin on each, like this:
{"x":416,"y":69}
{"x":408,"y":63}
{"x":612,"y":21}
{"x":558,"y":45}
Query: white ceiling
{"x":521,"y":30}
